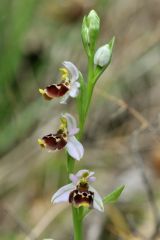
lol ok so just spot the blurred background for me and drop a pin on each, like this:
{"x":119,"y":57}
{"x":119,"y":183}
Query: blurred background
{"x":122,"y":137}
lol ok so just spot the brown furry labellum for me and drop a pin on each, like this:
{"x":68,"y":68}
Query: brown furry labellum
{"x":54,"y":141}
{"x":55,"y":90}
{"x":82,"y":196}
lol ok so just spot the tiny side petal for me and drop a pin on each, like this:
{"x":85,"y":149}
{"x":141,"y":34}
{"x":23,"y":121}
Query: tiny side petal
{"x":75,"y":148}
{"x":91,"y":179}
{"x":97,"y":202}
{"x":73,"y":178}
{"x":62,"y":195}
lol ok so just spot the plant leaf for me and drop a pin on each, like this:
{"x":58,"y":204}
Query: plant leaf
{"x":113,"y":196}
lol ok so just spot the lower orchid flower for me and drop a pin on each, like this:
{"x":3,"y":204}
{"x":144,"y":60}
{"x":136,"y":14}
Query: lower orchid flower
{"x":69,"y":85}
{"x":79,"y":192}
{"x":64,"y":138}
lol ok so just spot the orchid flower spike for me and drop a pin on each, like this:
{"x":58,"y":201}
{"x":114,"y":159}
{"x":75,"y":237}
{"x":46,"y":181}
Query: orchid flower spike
{"x":69,"y":85}
{"x":79,"y":192}
{"x":64,"y":138}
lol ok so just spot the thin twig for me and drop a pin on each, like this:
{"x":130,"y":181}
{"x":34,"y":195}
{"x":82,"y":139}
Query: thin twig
{"x":144,"y":123}
{"x":121,"y":103}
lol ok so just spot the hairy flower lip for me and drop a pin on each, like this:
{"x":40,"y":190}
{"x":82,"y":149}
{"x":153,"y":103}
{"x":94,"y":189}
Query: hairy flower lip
{"x":64,"y":138}
{"x":77,"y":195}
{"x":68,"y":87}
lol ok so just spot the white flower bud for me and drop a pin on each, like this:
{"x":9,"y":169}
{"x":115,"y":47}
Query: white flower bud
{"x":102,"y":56}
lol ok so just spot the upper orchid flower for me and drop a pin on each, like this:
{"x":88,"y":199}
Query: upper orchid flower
{"x":69,"y":85}
{"x":79,"y":192}
{"x":64,"y":138}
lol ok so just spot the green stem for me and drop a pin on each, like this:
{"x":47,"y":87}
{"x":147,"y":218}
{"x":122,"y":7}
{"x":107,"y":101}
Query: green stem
{"x":89,"y":92}
{"x":77,"y":223}
{"x":70,"y":164}
{"x":77,"y":213}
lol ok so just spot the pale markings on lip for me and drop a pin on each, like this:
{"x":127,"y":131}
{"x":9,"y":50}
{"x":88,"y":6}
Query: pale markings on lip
{"x":58,"y":87}
{"x":58,"y":140}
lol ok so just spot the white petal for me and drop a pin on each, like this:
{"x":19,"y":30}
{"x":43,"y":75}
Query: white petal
{"x":62,"y":195}
{"x":73,"y":178}
{"x":97,"y":202}
{"x":74,"y":90}
{"x":75,"y":148}
{"x":71,"y":124}
{"x":72,"y":69}
{"x":64,"y":98}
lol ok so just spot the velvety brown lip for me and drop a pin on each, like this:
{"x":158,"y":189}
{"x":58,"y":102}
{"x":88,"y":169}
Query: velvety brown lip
{"x":56,"y":90}
{"x":55,"y":141}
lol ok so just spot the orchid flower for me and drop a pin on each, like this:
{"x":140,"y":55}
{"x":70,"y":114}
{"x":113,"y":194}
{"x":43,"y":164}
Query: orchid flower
{"x":64,"y":138}
{"x":79,"y":192}
{"x":69,"y":85}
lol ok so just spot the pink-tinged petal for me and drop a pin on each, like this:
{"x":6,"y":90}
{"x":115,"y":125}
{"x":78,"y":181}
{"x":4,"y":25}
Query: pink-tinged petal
{"x":97,"y":202}
{"x":73,"y":178}
{"x":75,"y":148}
{"x":62,"y":195}
{"x":71,"y":124}
{"x":91,"y":179}
{"x":74,"y":90}
{"x":72,"y":69}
